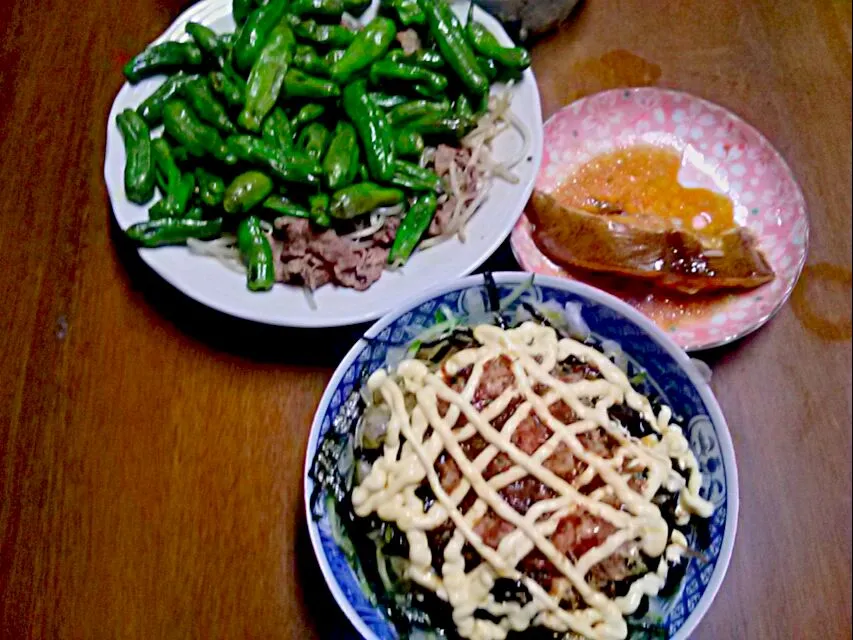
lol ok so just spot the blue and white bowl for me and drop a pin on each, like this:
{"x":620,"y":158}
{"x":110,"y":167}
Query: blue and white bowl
{"x":670,"y":372}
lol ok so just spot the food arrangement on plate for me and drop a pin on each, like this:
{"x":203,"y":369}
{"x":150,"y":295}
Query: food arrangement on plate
{"x":519,"y":458}
{"x":672,"y":204}
{"x":309,"y":148}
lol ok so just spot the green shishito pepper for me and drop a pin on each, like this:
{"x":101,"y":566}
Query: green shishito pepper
{"x":247,"y":191}
{"x":422,"y":57}
{"x":439,"y":126}
{"x":177,"y":189}
{"x":257,"y":254}
{"x":267,"y":77}
{"x":327,"y":35}
{"x":208,"y":41}
{"x":232,"y":91}
{"x":486,"y":44}
{"x":282,"y":164}
{"x":151,"y":108}
{"x":388,"y":70}
{"x":241,"y":9}
{"x":369,"y":46}
{"x":211,"y":188}
{"x":199,"y":95}
{"x":416,"y":110}
{"x":174,"y":203}
{"x":388,"y":101}
{"x":319,"y":8}
{"x":163,"y":57}
{"x":187,"y":130}
{"x":254,"y":33}
{"x":319,"y":204}
{"x":139,"y":172}
{"x":415,"y":223}
{"x":373,"y":129}
{"x":308,"y":60}
{"x":308,"y":113}
{"x":409,"y":144}
{"x":408,"y":12}
{"x":166,"y":231}
{"x":362,"y":198}
{"x":342,"y":158}
{"x":414,"y":177}
{"x":284,"y":207}
{"x":298,"y":84}
{"x":277,"y":130}
{"x":448,"y":34}
{"x":313,"y":140}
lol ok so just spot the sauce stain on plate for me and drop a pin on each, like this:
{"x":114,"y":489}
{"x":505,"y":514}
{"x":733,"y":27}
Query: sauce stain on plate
{"x":641,"y":182}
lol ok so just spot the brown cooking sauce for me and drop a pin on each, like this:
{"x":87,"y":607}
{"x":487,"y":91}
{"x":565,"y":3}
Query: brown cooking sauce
{"x":640,"y":184}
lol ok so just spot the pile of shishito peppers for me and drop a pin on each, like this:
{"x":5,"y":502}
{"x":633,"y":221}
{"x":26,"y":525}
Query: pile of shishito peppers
{"x":294,"y":114}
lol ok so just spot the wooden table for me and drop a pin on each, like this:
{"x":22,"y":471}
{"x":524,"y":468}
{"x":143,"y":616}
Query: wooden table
{"x":151,"y":451}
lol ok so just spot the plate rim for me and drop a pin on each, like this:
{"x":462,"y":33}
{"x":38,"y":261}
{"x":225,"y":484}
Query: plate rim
{"x":702,"y":386}
{"x":203,"y":12}
{"x":800,"y":196}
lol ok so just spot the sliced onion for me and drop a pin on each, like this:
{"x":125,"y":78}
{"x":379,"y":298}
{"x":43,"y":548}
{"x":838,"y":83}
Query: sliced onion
{"x":578,"y":328}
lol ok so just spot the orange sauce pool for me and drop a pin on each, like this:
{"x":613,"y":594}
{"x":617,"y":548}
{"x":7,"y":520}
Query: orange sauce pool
{"x":641,"y":185}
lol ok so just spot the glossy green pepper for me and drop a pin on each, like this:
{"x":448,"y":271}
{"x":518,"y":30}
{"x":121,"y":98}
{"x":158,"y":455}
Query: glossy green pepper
{"x":390,"y":71}
{"x":486,"y":44}
{"x":199,"y":95}
{"x":277,"y":129}
{"x":320,"y":8}
{"x":408,"y":12}
{"x":151,"y":108}
{"x":448,"y":34}
{"x":332,"y":58}
{"x":163,"y":57}
{"x":187,"y":130}
{"x":282,"y":164}
{"x":254,"y":33}
{"x":373,"y":129}
{"x":319,"y":206}
{"x":369,"y":45}
{"x":416,"y":110}
{"x":211,"y":188}
{"x":175,"y":200}
{"x":313,"y":140}
{"x":256,"y":251}
{"x":298,"y":84}
{"x":232,"y":92}
{"x":388,"y":101}
{"x":412,"y":176}
{"x":409,"y":144}
{"x":308,"y":113}
{"x":463,"y":110}
{"x":414,"y":225}
{"x":284,"y":207}
{"x":328,"y":35}
{"x":362,"y":198}
{"x":166,"y":231}
{"x":422,"y":58}
{"x":241,"y":9}
{"x":139,"y":172}
{"x":177,"y":189}
{"x":208,"y":41}
{"x":195,"y":212}
{"x":357,"y":7}
{"x":308,"y":60}
{"x":267,"y":77}
{"x":342,"y":159}
{"x":247,"y":191}
{"x":439,"y":126}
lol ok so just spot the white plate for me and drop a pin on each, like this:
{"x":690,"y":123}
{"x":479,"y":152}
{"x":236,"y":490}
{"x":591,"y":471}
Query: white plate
{"x":212,"y":284}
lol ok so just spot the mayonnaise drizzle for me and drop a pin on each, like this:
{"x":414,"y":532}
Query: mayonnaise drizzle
{"x":409,"y":457}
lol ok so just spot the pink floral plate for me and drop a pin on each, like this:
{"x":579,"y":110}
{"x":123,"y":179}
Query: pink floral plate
{"x":719,"y":151}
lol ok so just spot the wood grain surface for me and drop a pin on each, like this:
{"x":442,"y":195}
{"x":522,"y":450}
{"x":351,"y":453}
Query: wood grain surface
{"x":151,"y":451}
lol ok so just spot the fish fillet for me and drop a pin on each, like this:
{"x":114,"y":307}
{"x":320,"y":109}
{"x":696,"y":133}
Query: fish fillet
{"x":672,"y":258}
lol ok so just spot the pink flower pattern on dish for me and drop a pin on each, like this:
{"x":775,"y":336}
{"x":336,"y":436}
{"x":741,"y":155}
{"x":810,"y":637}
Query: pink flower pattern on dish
{"x":726,"y":152}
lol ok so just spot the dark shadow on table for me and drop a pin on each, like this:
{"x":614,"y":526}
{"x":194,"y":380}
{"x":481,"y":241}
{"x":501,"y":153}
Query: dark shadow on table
{"x":252,"y":340}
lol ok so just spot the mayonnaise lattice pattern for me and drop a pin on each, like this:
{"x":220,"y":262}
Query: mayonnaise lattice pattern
{"x":431,"y":418}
